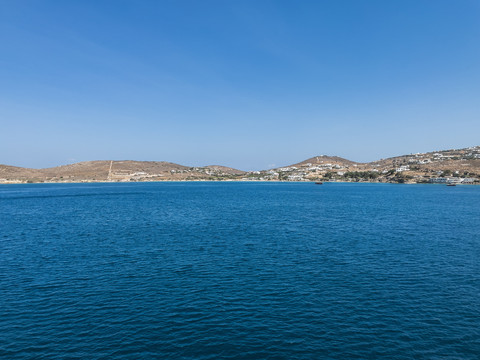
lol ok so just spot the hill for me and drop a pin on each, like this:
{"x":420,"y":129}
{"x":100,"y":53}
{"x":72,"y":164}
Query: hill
{"x":16,"y":174}
{"x":325,"y":159}
{"x":458,"y":165}
{"x":108,"y":170}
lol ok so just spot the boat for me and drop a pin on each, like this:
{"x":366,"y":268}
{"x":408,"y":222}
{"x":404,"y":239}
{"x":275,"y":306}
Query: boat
{"x":318,"y":183}
{"x":451,"y":184}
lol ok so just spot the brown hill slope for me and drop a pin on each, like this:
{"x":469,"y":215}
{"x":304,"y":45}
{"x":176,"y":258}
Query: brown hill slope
{"x":413,"y":167}
{"x":461,"y":160}
{"x":108,"y":170}
{"x":224,"y":170}
{"x":325,"y":159}
{"x":96,"y":170}
{"x":12,"y":173}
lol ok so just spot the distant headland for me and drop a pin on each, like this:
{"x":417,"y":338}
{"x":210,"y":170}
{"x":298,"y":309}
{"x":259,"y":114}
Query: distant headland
{"x":444,"y":166}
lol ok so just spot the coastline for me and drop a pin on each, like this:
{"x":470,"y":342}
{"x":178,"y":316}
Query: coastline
{"x":224,"y":181}
{"x":457,"y":166}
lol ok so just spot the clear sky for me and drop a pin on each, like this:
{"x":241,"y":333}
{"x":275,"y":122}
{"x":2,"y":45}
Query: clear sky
{"x":248,"y":84}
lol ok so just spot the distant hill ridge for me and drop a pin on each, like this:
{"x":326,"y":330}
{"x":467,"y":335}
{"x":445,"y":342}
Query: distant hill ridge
{"x":325,"y":158}
{"x":456,"y":162}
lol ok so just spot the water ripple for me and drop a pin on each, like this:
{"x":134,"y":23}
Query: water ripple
{"x":239,"y":271}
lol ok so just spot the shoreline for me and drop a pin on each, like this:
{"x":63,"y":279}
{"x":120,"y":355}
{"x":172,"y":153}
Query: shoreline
{"x":223,"y":181}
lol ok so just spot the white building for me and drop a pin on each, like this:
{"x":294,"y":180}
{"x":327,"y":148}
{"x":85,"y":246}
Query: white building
{"x":403,"y":168}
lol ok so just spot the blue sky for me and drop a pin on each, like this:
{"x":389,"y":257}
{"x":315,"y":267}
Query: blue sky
{"x":247,"y":84}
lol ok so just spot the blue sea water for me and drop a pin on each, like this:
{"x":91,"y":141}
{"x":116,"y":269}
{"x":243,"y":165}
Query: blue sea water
{"x":239,"y":271}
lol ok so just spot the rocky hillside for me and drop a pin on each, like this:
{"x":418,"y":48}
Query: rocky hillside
{"x":456,"y":165}
{"x":103,"y":170}
{"x":17,"y":174}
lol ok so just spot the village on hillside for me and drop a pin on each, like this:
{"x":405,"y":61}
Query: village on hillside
{"x":446,"y":166}
{"x":460,"y":166}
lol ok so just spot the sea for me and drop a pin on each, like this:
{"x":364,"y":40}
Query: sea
{"x":239,"y":270}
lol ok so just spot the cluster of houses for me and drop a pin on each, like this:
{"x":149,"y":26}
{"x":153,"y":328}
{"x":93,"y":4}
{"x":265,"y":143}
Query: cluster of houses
{"x":402,"y":168}
{"x":126,"y":175}
{"x":463,"y":154}
{"x":452,"y":180}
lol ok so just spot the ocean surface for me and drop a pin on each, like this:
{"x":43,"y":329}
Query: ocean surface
{"x":231,"y":270}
